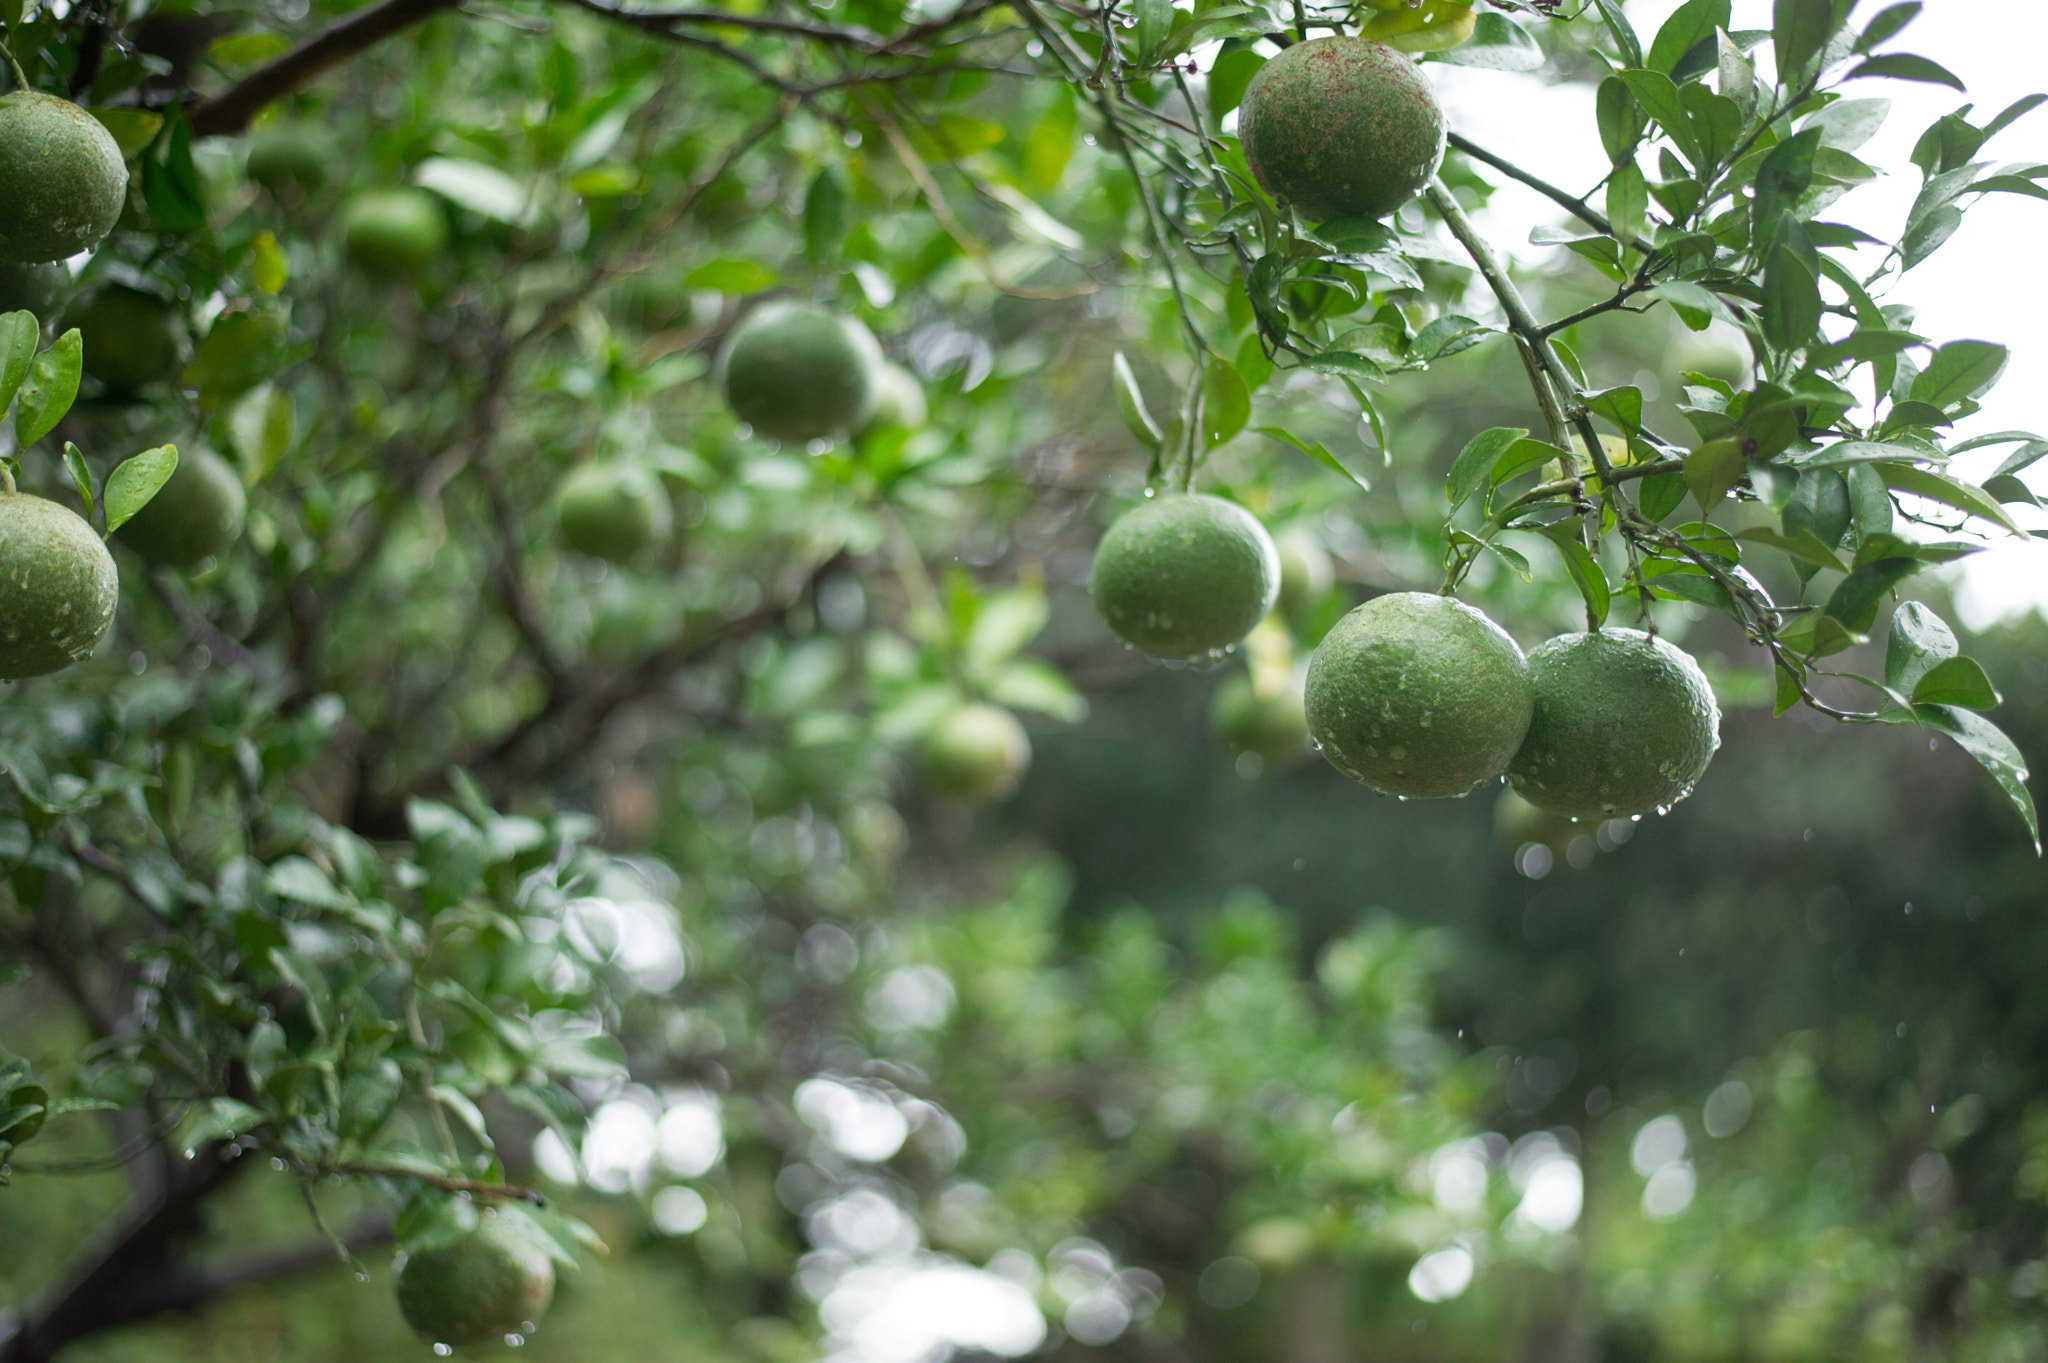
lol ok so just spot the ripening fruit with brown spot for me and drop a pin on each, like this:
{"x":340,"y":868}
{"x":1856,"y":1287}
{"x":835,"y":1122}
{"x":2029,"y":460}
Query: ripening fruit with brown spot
{"x":1342,"y":128}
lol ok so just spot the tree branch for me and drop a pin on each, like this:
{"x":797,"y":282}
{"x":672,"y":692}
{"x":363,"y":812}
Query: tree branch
{"x":229,"y":112}
{"x":1563,"y":198}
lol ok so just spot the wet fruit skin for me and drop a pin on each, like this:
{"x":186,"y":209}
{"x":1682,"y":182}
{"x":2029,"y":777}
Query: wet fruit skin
{"x":62,"y":179}
{"x":33,"y":288}
{"x":1624,"y":724}
{"x":1342,"y":128}
{"x":132,"y":338}
{"x":797,"y":373}
{"x":976,"y":754}
{"x":611,"y":511}
{"x":1183,"y":576}
{"x":58,"y":587}
{"x":489,"y":1284}
{"x":1274,"y":727}
{"x":1418,"y":695}
{"x":394,"y":233}
{"x":195,"y":516}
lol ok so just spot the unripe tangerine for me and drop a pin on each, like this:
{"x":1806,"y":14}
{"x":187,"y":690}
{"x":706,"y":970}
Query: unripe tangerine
{"x":797,"y":373}
{"x":490,"y":1283}
{"x":977,"y":753}
{"x":63,"y":181}
{"x":394,"y":233}
{"x":58,"y":587}
{"x":196,"y":515}
{"x":1185,"y":576}
{"x":611,"y":511}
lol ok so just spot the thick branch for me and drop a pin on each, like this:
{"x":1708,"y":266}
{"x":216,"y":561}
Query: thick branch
{"x":230,"y":111}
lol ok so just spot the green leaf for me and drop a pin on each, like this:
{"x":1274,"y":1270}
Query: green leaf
{"x":1960,"y":370}
{"x":1623,"y":33}
{"x":1497,"y":43}
{"x":1229,"y":77}
{"x":1628,"y":200}
{"x":135,"y":481}
{"x":484,"y":190}
{"x":1693,"y":23}
{"x":1316,"y":452}
{"x":1155,"y":21}
{"x":18,"y":336}
{"x":1696,"y":306}
{"x":1996,"y":753}
{"x":47,"y":393}
{"x":1659,"y":98}
{"x":1799,"y":30}
{"x":1805,"y":546}
{"x":1791,"y":298}
{"x":1961,"y":682}
{"x":1939,"y":487}
{"x":1470,"y":470}
{"x":1905,"y":66}
{"x":170,"y":181}
{"x":1661,"y":493}
{"x":1621,"y":406}
{"x":1620,"y":118}
{"x":1446,"y":336}
{"x":1584,"y":569}
{"x":1521,"y":457}
{"x":1226,"y":401}
{"x":1131,"y":403}
{"x":1030,"y":684}
{"x":1782,"y":178}
{"x":1712,"y":469}
{"x":81,"y":476}
{"x":824,"y":215}
{"x":731,"y":276}
{"x":1049,"y":146}
{"x":1887,"y":24}
{"x":1855,"y":601}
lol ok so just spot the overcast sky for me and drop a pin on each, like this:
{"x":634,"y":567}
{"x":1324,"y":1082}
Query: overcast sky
{"x":1989,"y":282}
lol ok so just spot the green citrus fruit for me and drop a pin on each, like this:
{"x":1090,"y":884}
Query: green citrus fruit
{"x":1275,"y":727}
{"x":1184,"y":576}
{"x":1624,"y":724}
{"x":57,"y":587}
{"x":393,"y":233}
{"x":978,"y":753}
{"x":653,"y":300}
{"x":1342,"y":128}
{"x":1427,"y":26}
{"x":291,"y":159}
{"x":491,"y":1283}
{"x":193,"y":517}
{"x":62,"y":180}
{"x":797,"y":374}
{"x":899,"y":399}
{"x":1418,"y":695}
{"x":33,"y":288}
{"x":611,"y":510}
{"x":1305,"y":570}
{"x":132,"y":338}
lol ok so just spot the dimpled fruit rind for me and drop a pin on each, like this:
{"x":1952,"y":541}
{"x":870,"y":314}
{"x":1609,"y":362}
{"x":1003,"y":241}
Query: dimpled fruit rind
{"x":976,"y":754}
{"x":1418,"y":695}
{"x":62,"y":179}
{"x":1180,"y":577}
{"x":491,"y":1283}
{"x":57,"y":587}
{"x":393,"y":233}
{"x":193,"y":517}
{"x":131,"y":338}
{"x":1342,"y":128}
{"x":611,"y":511}
{"x":798,"y":374}
{"x":1624,"y":724}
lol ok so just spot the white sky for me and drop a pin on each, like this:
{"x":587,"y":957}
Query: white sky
{"x":1989,"y":282}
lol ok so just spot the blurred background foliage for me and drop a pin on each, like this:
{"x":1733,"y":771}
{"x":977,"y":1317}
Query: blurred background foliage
{"x":1180,"y":1053}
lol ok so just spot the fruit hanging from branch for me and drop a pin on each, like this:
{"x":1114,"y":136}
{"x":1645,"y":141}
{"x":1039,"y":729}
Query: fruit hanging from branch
{"x":477,"y":1289}
{"x":62,"y":178}
{"x":1185,"y":576}
{"x":612,"y":510}
{"x":1342,"y":128}
{"x":797,"y":373}
{"x":1418,"y":695}
{"x":58,"y":586}
{"x":195,"y":516}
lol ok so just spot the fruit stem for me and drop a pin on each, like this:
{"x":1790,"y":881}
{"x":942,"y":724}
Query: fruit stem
{"x":20,"y":81}
{"x":6,"y":475}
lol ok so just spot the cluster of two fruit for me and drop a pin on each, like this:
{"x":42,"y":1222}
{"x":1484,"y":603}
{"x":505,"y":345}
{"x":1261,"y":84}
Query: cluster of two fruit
{"x":1419,"y":695}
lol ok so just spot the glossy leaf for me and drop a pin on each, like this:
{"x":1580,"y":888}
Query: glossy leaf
{"x":48,"y":390}
{"x":133,"y":482}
